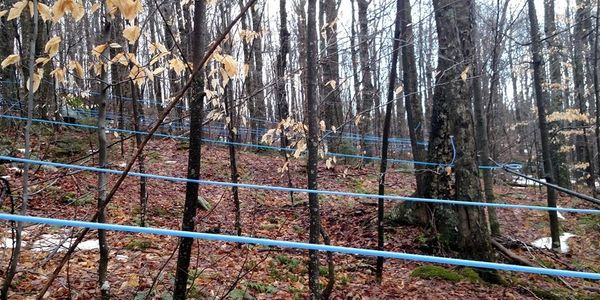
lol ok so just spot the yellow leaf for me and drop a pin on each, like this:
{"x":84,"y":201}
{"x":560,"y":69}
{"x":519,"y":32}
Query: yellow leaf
{"x":115,"y":45}
{"x":230,"y":65}
{"x":77,"y":11}
{"x":322,"y":125}
{"x":58,"y":74}
{"x":157,"y":71}
{"x":10,"y":60}
{"x":158,"y":47}
{"x":3,"y":13}
{"x":132,"y":33}
{"x":16,"y":10}
{"x":98,"y":50}
{"x":75,"y":66}
{"x":95,"y":7}
{"x":42,"y":60}
{"x":52,"y":46}
{"x":177,"y":65}
{"x":45,"y":12}
{"x":332,"y":83}
{"x":300,"y":147}
{"x":128,"y":8}
{"x":133,"y":281}
{"x":399,"y":90}
{"x":465,"y":73}
{"x":37,"y":79}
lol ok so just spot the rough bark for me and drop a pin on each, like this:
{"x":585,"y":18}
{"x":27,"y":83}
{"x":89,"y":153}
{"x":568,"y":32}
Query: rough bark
{"x":193,"y":171}
{"x":386,"y":135}
{"x":331,"y":106}
{"x":368,"y":90}
{"x":461,"y":228}
{"x":538,"y":79}
{"x":312,"y":103}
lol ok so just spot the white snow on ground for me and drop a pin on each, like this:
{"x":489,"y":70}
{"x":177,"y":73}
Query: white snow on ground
{"x":527,"y":182}
{"x":560,"y":216}
{"x":170,"y":162}
{"x":546,"y":242}
{"x":49,"y":242}
{"x":121,"y":257}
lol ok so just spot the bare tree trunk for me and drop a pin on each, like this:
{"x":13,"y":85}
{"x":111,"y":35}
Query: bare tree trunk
{"x":584,"y":155}
{"x":332,"y":108}
{"x":102,"y":177}
{"x":462,"y":227}
{"x":368,"y":91}
{"x":281,"y":93}
{"x":386,"y":135}
{"x":191,"y":193}
{"x":539,"y":98}
{"x":14,"y":259}
{"x":560,"y":169}
{"x":313,"y":148}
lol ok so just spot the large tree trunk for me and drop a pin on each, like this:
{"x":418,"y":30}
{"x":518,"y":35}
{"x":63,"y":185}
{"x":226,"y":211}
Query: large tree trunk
{"x":538,"y":79}
{"x":462,"y":228}
{"x":193,"y":172}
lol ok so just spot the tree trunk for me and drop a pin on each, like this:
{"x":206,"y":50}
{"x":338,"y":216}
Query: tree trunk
{"x":386,"y":135}
{"x":14,"y":259}
{"x":538,"y":80}
{"x":368,"y":91}
{"x":102,"y":177}
{"x":462,"y":228}
{"x":332,"y":108}
{"x":584,"y":145}
{"x":312,"y":103}
{"x":193,"y":172}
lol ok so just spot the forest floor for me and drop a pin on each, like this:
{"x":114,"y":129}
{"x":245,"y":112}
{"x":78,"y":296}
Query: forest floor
{"x":226,"y":271}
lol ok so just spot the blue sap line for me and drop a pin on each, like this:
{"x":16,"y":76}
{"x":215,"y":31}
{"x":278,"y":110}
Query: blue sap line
{"x":300,"y":190}
{"x":300,"y":245}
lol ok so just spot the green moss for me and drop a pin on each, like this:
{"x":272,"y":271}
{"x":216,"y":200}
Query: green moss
{"x":430,"y":272}
{"x":261,"y":287}
{"x":543,"y":294}
{"x":70,"y":198}
{"x":138,"y":245}
{"x":470,"y":274}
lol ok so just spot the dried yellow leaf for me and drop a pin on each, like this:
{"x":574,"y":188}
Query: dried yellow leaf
{"x":16,"y":10}
{"x":95,"y":7}
{"x":10,"y":60}
{"x":77,"y":68}
{"x":3,"y":13}
{"x":52,"y":46}
{"x":45,"y":12}
{"x":177,"y":65}
{"x":37,"y":79}
{"x":465,"y":73}
{"x":58,"y":74}
{"x":98,"y":50}
{"x":132,"y":33}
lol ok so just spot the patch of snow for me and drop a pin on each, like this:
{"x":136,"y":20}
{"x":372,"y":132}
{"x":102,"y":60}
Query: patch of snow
{"x":22,"y":150}
{"x":121,"y":257}
{"x":8,"y":243}
{"x":6,"y":177}
{"x":49,"y":242}
{"x":170,"y":162}
{"x":560,"y":216}
{"x":527,"y":182}
{"x":122,"y":165}
{"x":546,"y":242}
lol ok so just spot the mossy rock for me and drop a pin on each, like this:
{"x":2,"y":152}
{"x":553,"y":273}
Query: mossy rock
{"x":183,"y":145}
{"x":68,"y":147}
{"x":431,"y":272}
